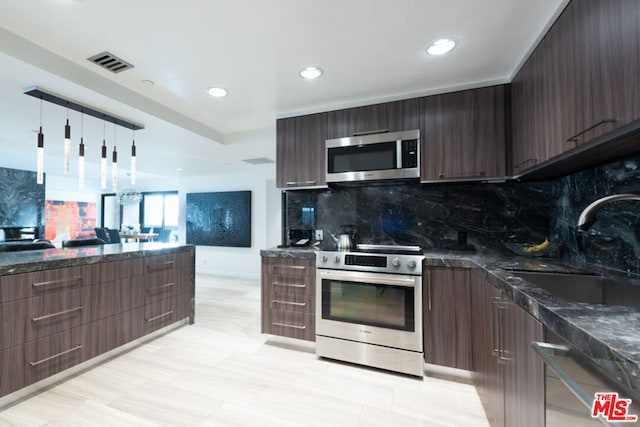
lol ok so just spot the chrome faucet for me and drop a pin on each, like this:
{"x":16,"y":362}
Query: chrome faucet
{"x":588,"y":215}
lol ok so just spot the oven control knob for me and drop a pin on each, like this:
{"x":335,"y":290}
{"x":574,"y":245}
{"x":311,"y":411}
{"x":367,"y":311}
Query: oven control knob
{"x":411,"y":264}
{"x":395,"y":262}
{"x":324,"y":258}
{"x":337,"y":258}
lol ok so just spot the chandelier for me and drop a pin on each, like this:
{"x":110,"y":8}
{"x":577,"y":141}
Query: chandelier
{"x":129,"y":196}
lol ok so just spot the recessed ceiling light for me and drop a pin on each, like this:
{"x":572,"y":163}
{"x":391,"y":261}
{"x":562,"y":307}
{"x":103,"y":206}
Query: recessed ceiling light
{"x":310,"y":73}
{"x":440,"y":47}
{"x":147,"y":82}
{"x":179,"y":169}
{"x":218,"y":92}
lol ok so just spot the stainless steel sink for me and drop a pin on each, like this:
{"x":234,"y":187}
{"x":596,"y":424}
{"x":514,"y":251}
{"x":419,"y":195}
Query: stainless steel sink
{"x":585,"y":288}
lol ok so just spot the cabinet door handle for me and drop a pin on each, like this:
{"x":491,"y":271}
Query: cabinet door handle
{"x":495,"y":326}
{"x":63,"y":282}
{"x":429,"y":289}
{"x":289,"y":285}
{"x":160,"y":288}
{"x":463,"y":175}
{"x":296,"y":183}
{"x":575,"y":137}
{"x":160,"y":265}
{"x":160,"y":316}
{"x":60,"y":313}
{"x":501,"y":351}
{"x":298,"y":304}
{"x":290,"y":267}
{"x":371,"y":132}
{"x":286,"y":325}
{"x":525,"y":164}
{"x":46,"y":359}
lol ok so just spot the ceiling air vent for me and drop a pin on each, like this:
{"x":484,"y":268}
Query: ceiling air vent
{"x":258,"y":161}
{"x":110,"y":62}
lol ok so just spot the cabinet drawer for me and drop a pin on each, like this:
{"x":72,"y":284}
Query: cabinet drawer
{"x":161,"y":263}
{"x":111,"y":298}
{"x":116,"y":270}
{"x":288,"y":298}
{"x":20,"y":286}
{"x":289,"y":267}
{"x":111,"y":332}
{"x":162,"y":284}
{"x":28,"y":319}
{"x":291,"y":324}
{"x":26,"y":364}
{"x":160,"y":314}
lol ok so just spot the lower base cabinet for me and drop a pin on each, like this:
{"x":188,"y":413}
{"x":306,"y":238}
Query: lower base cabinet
{"x":447,"y":317}
{"x":288,"y":297}
{"x":507,"y":373}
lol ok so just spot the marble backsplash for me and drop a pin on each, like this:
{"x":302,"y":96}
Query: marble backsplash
{"x":500,"y":218}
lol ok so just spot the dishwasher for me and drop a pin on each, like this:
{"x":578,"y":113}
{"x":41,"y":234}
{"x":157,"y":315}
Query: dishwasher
{"x":571,"y":384}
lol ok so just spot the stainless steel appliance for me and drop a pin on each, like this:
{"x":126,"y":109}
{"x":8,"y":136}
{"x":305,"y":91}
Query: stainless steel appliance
{"x":571,"y":383}
{"x":369,"y":307}
{"x":394,"y":155}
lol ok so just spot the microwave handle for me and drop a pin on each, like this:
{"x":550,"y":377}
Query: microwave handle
{"x":370,"y":132}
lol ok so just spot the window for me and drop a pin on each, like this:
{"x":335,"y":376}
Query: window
{"x":160,"y":210}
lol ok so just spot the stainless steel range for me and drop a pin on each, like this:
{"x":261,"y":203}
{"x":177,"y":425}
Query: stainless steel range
{"x":369,"y":307}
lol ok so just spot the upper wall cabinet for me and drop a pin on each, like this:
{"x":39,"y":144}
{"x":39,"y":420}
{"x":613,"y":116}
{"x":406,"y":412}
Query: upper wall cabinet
{"x":300,"y":158}
{"x":580,"y":82}
{"x":463,"y":134}
{"x":389,"y":116}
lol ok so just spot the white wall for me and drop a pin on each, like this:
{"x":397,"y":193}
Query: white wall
{"x":265,"y":222}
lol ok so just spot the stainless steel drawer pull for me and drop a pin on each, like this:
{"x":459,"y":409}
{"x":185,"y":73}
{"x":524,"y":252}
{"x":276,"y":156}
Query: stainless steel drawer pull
{"x":289,"y":285}
{"x":58,"y":282}
{"x":291,"y":267}
{"x":76,"y":348}
{"x":286,"y":325}
{"x":160,"y":265}
{"x":299,"y":304}
{"x":160,"y":288}
{"x":160,"y":316}
{"x":60,"y":313}
{"x":301,"y":182}
{"x":429,"y":289}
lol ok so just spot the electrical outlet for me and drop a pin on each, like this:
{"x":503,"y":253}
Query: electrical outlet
{"x":319,"y":235}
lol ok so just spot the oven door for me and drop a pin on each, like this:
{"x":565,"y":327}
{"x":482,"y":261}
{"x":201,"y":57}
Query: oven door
{"x":373,"y":308}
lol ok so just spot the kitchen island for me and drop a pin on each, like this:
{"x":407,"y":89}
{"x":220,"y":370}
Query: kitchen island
{"x":63,"y":307}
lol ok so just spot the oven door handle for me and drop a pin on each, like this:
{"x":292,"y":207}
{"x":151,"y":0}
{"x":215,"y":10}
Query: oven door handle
{"x":376,"y":279}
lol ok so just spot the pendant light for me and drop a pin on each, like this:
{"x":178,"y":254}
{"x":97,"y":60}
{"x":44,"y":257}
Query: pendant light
{"x":81,"y":155}
{"x":67,"y":144}
{"x":103,"y":161}
{"x":40,"y":152}
{"x":114,"y":164}
{"x":133,"y":159}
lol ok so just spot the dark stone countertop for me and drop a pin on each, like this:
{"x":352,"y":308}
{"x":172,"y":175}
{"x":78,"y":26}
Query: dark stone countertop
{"x":307,"y":252}
{"x":47,"y":259}
{"x":608,"y":335}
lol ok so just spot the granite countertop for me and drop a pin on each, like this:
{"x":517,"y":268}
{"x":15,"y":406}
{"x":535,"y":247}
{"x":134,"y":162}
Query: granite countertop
{"x":608,"y":335}
{"x":46,"y":259}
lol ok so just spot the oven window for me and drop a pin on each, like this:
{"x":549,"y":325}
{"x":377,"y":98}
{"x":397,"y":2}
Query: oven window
{"x":369,"y":157}
{"x":366,"y":304}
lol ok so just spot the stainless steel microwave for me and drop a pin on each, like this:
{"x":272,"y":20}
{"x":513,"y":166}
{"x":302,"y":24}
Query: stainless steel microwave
{"x":393,"y":155}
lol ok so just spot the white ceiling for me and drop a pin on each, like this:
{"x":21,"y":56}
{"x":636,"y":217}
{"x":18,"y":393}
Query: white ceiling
{"x":371,"y":51}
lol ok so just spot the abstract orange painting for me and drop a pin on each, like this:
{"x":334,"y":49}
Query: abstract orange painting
{"x":75,"y":219}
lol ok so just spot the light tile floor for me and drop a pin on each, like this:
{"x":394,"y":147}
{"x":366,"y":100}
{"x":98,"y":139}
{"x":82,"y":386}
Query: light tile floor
{"x":223,"y":372}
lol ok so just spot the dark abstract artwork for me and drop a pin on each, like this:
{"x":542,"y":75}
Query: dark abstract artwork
{"x":219,"y":219}
{"x":21,"y":199}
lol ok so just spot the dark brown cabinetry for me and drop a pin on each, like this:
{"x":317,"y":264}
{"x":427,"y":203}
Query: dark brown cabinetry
{"x":579,"y":83}
{"x":288,"y":297}
{"x":390,"y":116}
{"x":447,"y":317}
{"x":463,"y":134}
{"x":55,"y":319}
{"x":300,"y":158}
{"x":508,"y":375}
